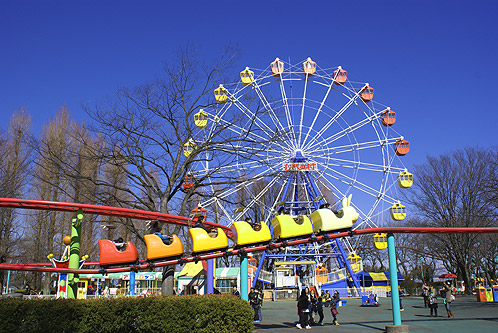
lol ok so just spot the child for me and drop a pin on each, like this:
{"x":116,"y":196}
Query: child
{"x":433,"y":304}
{"x":333,"y":310}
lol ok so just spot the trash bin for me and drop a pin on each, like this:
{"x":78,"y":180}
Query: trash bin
{"x":495,"y":293}
{"x":481,"y":294}
{"x":489,"y":294}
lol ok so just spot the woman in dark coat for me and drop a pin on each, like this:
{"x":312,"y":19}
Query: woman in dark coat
{"x":303,"y":309}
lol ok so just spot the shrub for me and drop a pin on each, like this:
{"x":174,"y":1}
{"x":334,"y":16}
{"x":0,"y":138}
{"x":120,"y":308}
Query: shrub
{"x":211,"y":313}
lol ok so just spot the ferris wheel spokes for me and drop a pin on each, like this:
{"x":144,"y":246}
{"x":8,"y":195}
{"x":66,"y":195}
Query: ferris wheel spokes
{"x":339,"y":113}
{"x":352,"y":182}
{"x":347,"y":131}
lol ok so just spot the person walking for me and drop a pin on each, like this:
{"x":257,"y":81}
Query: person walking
{"x":433,"y":304}
{"x":448,"y":299}
{"x":255,"y":301}
{"x":303,"y":309}
{"x":319,"y":308}
{"x":334,"y":312}
{"x":425,"y":294}
{"x":313,"y":306}
{"x":235,"y":292}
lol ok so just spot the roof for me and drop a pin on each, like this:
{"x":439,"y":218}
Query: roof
{"x":227,"y":272}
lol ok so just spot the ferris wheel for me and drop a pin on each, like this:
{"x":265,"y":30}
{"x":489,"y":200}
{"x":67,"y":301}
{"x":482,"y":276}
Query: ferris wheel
{"x":300,"y":135}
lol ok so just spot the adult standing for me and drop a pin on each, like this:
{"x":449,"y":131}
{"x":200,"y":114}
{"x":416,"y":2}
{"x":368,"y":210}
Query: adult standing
{"x":303,"y":309}
{"x":313,"y":306}
{"x":319,"y":308}
{"x":235,"y":292}
{"x":255,"y":302}
{"x":447,"y":300}
{"x":333,"y":307}
{"x":425,"y":294}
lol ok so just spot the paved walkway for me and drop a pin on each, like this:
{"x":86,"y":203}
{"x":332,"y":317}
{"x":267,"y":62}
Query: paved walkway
{"x":470,"y":316}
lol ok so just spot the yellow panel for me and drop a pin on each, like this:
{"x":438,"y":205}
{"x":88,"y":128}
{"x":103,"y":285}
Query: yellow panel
{"x":156,"y":248}
{"x":191,"y":269}
{"x":244,"y":234}
{"x":378,"y":276}
{"x":202,"y":242}
{"x":284,"y":226}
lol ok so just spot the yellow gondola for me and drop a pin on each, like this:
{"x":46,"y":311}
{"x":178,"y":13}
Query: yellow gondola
{"x":284,"y":226}
{"x":247,"y":76}
{"x":203,"y":242}
{"x":244,"y":234}
{"x":221,"y":94}
{"x":380,"y":241}
{"x":156,"y":249}
{"x":355,"y":261}
{"x":405,"y":179}
{"x":398,"y":212}
{"x":201,"y":119}
{"x":309,"y":67}
{"x":188,"y":147}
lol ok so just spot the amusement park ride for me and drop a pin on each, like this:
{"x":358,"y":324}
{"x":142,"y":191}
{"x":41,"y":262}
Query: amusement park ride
{"x":332,"y":140}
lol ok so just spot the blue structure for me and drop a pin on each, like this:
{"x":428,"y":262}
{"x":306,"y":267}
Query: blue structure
{"x":301,"y":196}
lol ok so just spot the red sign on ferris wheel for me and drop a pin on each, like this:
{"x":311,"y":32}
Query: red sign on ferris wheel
{"x":300,"y":167}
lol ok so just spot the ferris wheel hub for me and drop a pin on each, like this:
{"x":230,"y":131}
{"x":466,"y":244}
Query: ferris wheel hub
{"x":299,"y":156}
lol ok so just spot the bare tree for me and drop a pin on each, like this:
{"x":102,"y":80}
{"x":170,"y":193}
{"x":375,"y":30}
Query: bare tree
{"x":451,"y":191}
{"x":14,"y":176}
{"x":145,"y":130}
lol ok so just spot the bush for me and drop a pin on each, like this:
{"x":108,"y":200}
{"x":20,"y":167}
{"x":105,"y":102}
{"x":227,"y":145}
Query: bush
{"x":211,"y":313}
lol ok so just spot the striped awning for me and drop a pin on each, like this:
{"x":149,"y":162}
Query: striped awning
{"x":227,"y":272}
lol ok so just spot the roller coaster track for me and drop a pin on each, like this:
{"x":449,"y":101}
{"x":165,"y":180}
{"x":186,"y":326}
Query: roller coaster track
{"x":179,"y":220}
{"x":103,"y":210}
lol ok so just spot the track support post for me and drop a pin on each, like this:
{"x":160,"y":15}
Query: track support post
{"x":74,"y":256}
{"x":210,"y":277}
{"x":131,"y":289}
{"x":244,"y":277}
{"x":393,"y":274}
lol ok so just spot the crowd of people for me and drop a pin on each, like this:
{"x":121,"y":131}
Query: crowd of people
{"x":431,"y":298}
{"x":310,"y":307}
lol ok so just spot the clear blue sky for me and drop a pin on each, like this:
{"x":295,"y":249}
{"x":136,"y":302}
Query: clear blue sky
{"x":434,"y":62}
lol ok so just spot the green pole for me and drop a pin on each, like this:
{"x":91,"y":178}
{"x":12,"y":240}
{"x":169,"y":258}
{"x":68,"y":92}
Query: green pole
{"x":74,"y":256}
{"x":393,"y":272}
{"x":422,"y":269}
{"x":8,"y":280}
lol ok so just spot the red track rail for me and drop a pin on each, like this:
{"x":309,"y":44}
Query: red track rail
{"x":257,"y":248}
{"x":102,"y":210}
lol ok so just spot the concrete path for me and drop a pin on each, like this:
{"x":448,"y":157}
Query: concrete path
{"x":470,"y":316}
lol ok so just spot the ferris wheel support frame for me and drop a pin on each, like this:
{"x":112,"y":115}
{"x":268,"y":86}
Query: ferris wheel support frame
{"x":310,"y":186}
